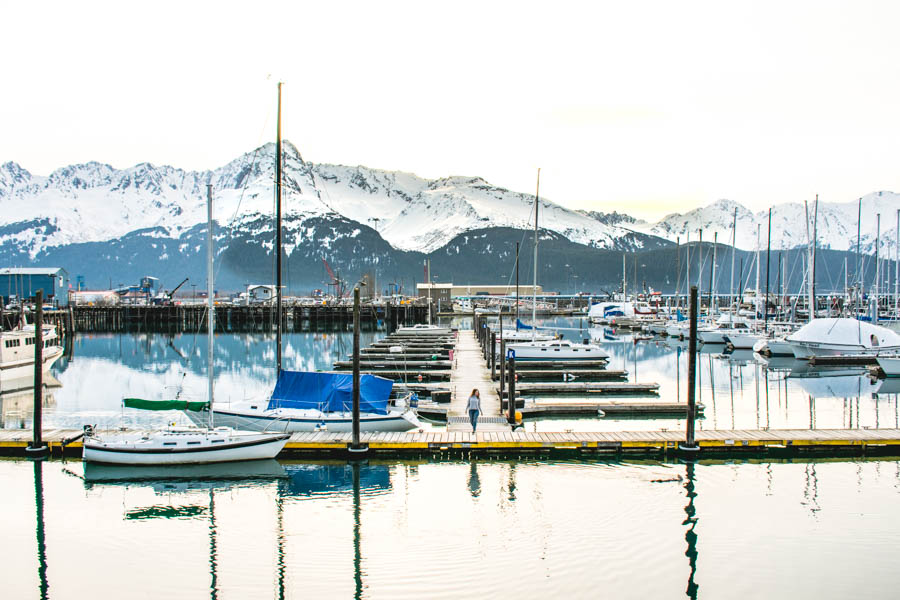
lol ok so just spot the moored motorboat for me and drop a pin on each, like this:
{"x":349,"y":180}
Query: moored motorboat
{"x":423,"y":329}
{"x":842,"y":336}
{"x":557,"y":350}
{"x":17,"y":350}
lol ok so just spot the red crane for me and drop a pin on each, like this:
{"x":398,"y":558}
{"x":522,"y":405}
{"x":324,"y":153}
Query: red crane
{"x":335,"y":280}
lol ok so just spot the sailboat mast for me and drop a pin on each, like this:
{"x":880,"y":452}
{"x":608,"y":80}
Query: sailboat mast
{"x":211,"y":322}
{"x":278,"y":237}
{"x":812,"y":271}
{"x":713,"y":296}
{"x":897,"y":268}
{"x":877,"y":265}
{"x":687,"y":262}
{"x":537,"y":195}
{"x":758,"y":228}
{"x":733,"y":243}
{"x":768,"y":254}
{"x":700,"y":277}
{"x":517,"y":286}
{"x":677,"y":266}
{"x":858,"y":255}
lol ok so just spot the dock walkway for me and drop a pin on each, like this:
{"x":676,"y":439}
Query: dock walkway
{"x":468,"y":372}
{"x":650,"y":444}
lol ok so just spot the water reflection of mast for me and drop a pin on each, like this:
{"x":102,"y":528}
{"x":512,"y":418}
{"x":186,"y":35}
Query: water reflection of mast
{"x":678,"y":373}
{"x":39,"y":529}
{"x":766,"y":376}
{"x":690,"y":535}
{"x":357,"y":554}
{"x":756,"y":382}
{"x":812,"y":412}
{"x":279,"y":512}
{"x":712,"y":386}
{"x":213,"y":550}
{"x":731,"y":389}
{"x":811,"y":489}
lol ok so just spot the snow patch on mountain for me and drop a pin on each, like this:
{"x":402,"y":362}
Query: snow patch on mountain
{"x":94,"y":202}
{"x":836,"y":224}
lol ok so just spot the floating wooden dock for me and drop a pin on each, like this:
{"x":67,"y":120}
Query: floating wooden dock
{"x":772,"y":443}
{"x":563,"y":388}
{"x":566,"y":374}
{"x":374,"y":365}
{"x":437,"y":412}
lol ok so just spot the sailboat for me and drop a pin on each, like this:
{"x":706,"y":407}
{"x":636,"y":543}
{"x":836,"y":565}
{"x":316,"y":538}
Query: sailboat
{"x":314,"y":401}
{"x":184,"y":445}
{"x":550,"y":349}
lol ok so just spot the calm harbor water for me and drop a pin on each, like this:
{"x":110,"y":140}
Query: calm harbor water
{"x":739,"y":391}
{"x":491,"y":529}
{"x":432,"y":529}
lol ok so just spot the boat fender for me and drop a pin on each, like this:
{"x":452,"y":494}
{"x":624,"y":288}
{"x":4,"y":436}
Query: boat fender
{"x":419,"y":378}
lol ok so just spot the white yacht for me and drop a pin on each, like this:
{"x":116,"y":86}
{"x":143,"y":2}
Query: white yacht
{"x":557,"y":350}
{"x":726,"y":324}
{"x":842,"y":336}
{"x":423,"y":329}
{"x":17,"y":351}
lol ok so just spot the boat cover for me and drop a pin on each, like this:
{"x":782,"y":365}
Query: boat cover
{"x":846,"y":331}
{"x":164,"y":404}
{"x":330,"y":392}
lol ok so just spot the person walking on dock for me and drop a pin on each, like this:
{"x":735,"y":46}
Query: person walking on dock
{"x":474,"y":408}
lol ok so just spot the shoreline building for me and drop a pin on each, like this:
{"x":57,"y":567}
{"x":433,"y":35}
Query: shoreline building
{"x":22,"y":283}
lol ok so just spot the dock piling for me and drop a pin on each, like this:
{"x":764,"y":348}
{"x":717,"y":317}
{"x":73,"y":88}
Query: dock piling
{"x":690,"y":444}
{"x":511,"y":403}
{"x":355,"y":445}
{"x":38,"y":449}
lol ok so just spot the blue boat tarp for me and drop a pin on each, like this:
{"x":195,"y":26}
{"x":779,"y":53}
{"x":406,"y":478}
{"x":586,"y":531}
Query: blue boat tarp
{"x":330,"y":392}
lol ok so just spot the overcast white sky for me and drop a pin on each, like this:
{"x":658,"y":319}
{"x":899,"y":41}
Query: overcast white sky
{"x":647,"y":107}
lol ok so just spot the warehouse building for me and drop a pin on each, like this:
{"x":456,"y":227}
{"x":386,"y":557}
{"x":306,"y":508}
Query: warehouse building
{"x":23,"y":283}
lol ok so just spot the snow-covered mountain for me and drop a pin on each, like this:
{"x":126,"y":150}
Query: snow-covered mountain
{"x":836,"y":224}
{"x":93,"y":202}
{"x":117,"y":224}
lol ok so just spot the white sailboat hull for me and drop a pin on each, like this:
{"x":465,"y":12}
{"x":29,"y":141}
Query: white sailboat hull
{"x":296,"y":420}
{"x":182,"y":447}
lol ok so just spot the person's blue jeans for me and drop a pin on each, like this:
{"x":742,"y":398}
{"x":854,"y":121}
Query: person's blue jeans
{"x":473,"y":417}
